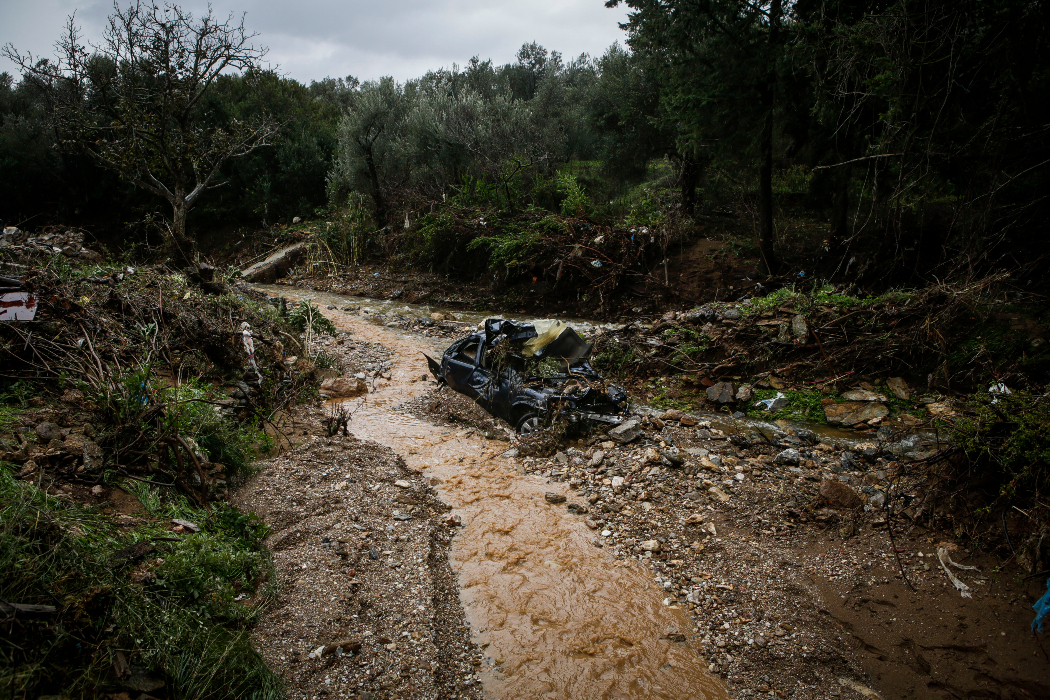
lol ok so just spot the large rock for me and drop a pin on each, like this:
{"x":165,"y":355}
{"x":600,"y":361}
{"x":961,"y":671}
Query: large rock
{"x":276,"y":265}
{"x":343,"y":387}
{"x":50,"y":431}
{"x":853,"y":412}
{"x":863,"y":395}
{"x":799,"y":327}
{"x":722,"y":392}
{"x":626,"y":431}
{"x":839,"y":494}
{"x":899,"y":387}
{"x":745,"y":393}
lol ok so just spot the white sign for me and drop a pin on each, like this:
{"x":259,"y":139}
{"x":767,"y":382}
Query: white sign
{"x":18,"y":306}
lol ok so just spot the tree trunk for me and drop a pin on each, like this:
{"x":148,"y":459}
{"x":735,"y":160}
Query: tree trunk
{"x":691,"y":170}
{"x":373,"y":181}
{"x":183,"y":248}
{"x":769,"y":263}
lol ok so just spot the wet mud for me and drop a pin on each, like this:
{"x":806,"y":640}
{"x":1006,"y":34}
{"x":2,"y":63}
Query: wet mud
{"x":556,"y":616}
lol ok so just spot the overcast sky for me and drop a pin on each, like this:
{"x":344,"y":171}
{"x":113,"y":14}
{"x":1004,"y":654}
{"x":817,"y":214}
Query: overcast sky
{"x":313,"y":39}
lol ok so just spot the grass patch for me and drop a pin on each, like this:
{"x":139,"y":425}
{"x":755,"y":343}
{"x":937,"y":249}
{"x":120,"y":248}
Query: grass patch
{"x":1006,"y":439}
{"x":306,"y":313}
{"x":169,"y":609}
{"x":803,"y":406}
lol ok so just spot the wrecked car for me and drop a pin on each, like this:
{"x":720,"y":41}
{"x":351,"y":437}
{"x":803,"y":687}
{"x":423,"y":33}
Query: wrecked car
{"x":531,"y":375}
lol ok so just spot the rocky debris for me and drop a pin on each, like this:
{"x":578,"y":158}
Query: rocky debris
{"x":626,"y":432}
{"x":788,"y":457}
{"x":854,"y":412}
{"x":554,"y":498}
{"x":744,"y":393}
{"x":899,"y":388}
{"x":863,"y":395}
{"x":799,"y":328}
{"x":69,"y":243}
{"x":839,"y":494}
{"x":186,"y":525}
{"x":721,"y":393}
{"x":343,"y":387}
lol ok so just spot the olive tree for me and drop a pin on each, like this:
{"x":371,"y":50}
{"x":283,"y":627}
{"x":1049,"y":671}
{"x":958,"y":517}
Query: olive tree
{"x":133,"y":101}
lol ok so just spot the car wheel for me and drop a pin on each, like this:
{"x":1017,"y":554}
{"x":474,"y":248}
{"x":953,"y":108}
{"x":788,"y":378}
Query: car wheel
{"x":528,"y":423}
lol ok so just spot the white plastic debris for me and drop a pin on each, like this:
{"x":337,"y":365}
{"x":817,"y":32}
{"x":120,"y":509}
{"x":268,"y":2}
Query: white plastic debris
{"x":998,"y":389}
{"x":249,"y":344}
{"x":768,"y":403}
{"x":942,"y":556}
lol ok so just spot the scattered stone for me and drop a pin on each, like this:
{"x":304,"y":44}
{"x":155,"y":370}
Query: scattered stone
{"x":454,"y":520}
{"x":92,"y":456}
{"x":863,"y":395}
{"x":672,"y":414}
{"x":672,"y":458}
{"x":839,"y":494}
{"x":722,"y":393}
{"x":186,"y":525}
{"x":745,"y":392}
{"x":799,"y":327}
{"x":324,"y":374}
{"x":617,"y":481}
{"x":49,"y":431}
{"x":553,"y":498}
{"x":719,"y":494}
{"x":652,"y":455}
{"x":401,"y":483}
{"x":626,"y":432}
{"x":688,"y":420}
{"x":853,"y":412}
{"x":789,"y":457}
{"x":351,"y":645}
{"x":576,"y":508}
{"x":940,"y":409}
{"x":73,"y":396}
{"x":899,"y":387}
{"x":651,"y":546}
{"x":343,"y":387}
{"x":97,"y":490}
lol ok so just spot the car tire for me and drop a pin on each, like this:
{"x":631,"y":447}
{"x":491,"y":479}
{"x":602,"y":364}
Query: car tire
{"x":528,"y":423}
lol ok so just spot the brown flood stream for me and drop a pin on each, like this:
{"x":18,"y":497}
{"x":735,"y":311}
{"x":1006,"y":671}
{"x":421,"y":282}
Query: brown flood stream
{"x":556,"y":615}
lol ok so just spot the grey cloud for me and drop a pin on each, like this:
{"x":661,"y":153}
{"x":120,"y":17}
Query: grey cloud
{"x":403,"y":38}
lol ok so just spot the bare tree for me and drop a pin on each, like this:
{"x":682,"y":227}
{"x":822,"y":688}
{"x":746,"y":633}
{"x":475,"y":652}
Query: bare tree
{"x":133,"y":101}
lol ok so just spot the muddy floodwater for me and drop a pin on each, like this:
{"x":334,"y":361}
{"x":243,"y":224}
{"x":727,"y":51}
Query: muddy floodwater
{"x":392,"y":307}
{"x":556,"y":616}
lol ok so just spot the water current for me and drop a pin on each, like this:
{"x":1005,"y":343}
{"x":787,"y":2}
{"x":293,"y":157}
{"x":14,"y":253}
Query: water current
{"x":557,"y":616}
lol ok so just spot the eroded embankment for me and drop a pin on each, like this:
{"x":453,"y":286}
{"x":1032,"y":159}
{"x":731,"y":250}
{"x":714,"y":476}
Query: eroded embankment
{"x":557,"y":617}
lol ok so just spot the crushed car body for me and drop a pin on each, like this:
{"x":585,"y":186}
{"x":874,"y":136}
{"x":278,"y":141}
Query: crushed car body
{"x":531,"y":375}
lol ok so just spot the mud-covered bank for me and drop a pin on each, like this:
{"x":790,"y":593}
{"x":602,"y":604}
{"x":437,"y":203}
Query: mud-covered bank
{"x":368,"y":606}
